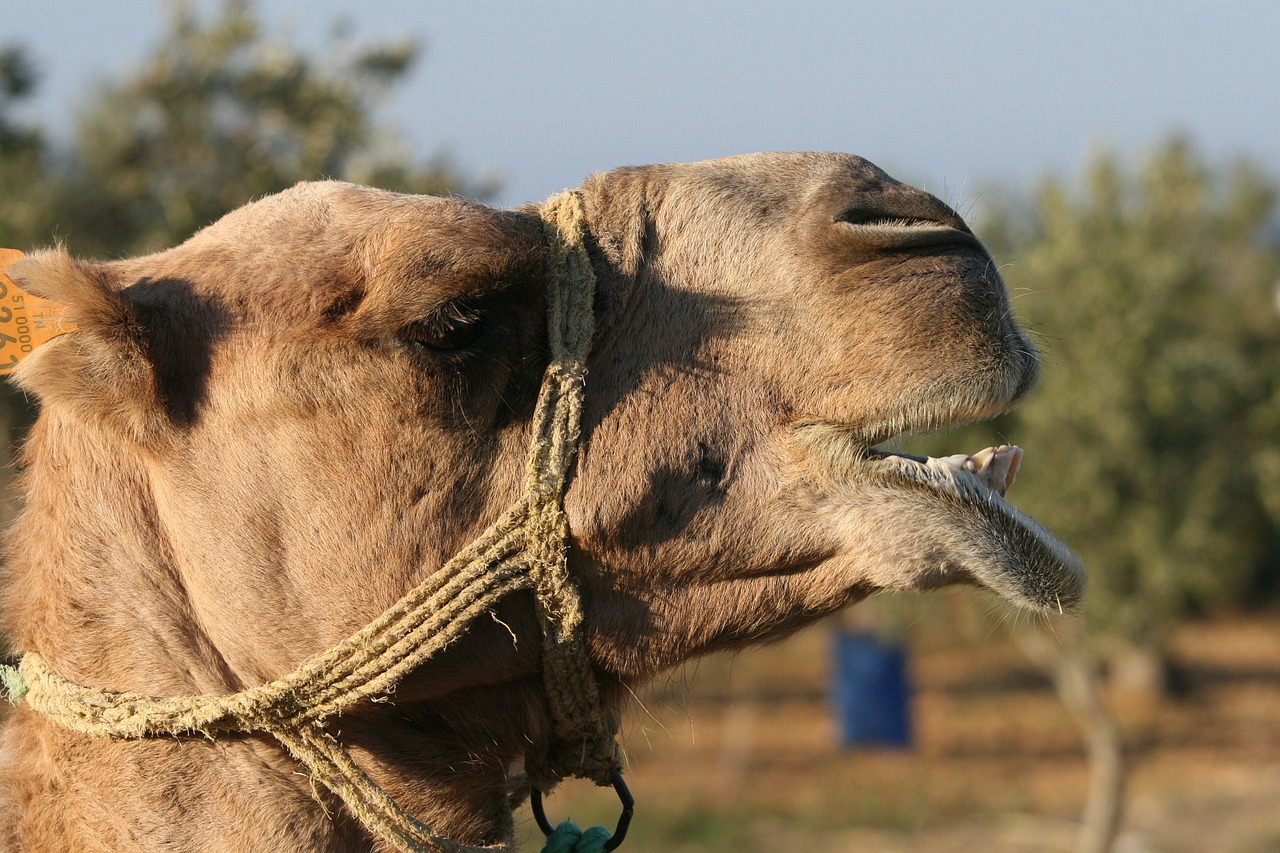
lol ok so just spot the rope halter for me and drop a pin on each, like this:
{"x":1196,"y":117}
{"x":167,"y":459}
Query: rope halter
{"x":524,"y":549}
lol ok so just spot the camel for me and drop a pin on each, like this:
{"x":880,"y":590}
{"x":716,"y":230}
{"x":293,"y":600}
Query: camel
{"x":256,"y":442}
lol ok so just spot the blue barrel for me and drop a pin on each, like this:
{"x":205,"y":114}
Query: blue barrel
{"x":872,"y":692}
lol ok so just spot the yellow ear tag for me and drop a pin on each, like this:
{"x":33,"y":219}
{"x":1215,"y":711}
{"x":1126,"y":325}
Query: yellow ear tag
{"x":26,"y":320}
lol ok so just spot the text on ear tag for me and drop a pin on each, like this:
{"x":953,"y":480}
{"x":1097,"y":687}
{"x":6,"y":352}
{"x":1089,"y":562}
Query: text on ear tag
{"x":26,"y":320}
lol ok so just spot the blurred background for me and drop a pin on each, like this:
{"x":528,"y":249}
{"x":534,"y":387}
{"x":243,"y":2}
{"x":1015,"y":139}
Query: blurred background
{"x":1122,"y":161}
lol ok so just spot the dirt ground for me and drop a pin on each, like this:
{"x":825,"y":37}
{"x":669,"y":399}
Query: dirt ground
{"x":741,"y":754}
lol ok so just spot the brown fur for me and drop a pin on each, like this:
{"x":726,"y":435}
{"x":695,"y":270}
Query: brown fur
{"x":242,"y":457}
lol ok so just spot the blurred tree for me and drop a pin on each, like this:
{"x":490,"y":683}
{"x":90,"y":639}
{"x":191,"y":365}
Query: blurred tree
{"x":219,"y":114}
{"x":25,"y":213}
{"x":1154,"y":440}
{"x":25,"y":216}
{"x":1162,"y":338}
{"x":17,"y":81}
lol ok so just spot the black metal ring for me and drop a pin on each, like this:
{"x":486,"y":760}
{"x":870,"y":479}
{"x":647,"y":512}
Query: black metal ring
{"x":624,"y":820}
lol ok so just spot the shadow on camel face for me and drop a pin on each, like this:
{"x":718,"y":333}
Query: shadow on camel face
{"x":328,"y":392}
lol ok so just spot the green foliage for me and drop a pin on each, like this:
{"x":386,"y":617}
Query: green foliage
{"x":17,"y":80}
{"x":219,"y":114}
{"x":1152,"y":443}
{"x":24,"y":213}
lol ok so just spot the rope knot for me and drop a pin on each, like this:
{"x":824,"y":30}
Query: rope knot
{"x":568,"y":371}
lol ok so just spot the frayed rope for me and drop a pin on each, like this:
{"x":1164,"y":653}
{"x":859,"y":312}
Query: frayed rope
{"x":13,"y":684}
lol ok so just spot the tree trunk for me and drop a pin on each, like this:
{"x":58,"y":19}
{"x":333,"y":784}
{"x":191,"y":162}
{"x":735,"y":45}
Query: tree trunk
{"x":1139,"y":671}
{"x":1075,"y":671}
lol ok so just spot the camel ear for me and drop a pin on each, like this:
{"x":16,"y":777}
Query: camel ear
{"x":101,"y":369}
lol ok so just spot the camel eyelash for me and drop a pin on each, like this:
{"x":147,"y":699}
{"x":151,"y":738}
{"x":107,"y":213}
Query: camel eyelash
{"x":874,"y":219}
{"x":452,"y":328}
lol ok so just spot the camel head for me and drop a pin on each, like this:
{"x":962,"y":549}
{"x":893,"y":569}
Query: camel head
{"x":255,"y":442}
{"x":771,"y":319}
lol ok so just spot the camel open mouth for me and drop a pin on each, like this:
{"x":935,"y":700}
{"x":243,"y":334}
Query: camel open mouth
{"x":1020,"y":560}
{"x":953,"y":513}
{"x":992,"y":469}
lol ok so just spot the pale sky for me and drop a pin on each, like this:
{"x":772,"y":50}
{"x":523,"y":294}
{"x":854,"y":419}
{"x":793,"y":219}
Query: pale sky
{"x":950,"y":95}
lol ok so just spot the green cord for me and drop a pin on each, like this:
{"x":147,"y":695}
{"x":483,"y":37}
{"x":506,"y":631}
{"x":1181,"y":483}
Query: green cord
{"x":568,"y":838}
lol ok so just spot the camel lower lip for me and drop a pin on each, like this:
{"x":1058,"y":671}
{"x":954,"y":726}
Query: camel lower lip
{"x":1024,"y":563}
{"x":961,"y":510}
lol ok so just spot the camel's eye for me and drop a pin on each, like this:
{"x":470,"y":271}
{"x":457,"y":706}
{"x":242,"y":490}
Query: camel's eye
{"x":453,"y":328}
